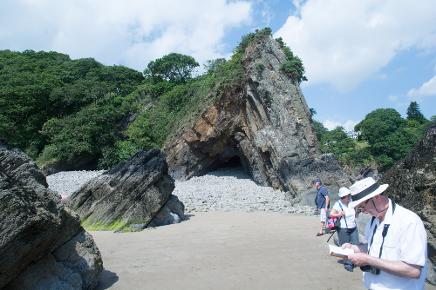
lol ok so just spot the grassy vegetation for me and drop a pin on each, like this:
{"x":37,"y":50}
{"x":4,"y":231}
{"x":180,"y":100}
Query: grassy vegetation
{"x":293,"y":66}
{"x":176,"y":107}
{"x":99,"y":226}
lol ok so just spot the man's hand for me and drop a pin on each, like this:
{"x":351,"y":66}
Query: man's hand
{"x":355,"y":248}
{"x":359,"y":259}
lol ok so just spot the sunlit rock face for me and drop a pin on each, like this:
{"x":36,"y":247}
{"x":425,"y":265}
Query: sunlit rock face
{"x":264,"y":123}
{"x":132,"y":195}
{"x":412,"y":183}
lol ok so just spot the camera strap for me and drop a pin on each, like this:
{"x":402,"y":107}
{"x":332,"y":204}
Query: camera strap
{"x":384,"y":232}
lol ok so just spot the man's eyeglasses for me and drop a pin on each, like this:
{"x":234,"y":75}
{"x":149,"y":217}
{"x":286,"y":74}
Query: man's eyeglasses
{"x":362,"y":206}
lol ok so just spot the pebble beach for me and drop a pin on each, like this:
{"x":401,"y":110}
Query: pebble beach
{"x":227,"y":189}
{"x":239,"y":235}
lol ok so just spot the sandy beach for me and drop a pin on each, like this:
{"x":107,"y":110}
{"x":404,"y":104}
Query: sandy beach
{"x":224,"y":250}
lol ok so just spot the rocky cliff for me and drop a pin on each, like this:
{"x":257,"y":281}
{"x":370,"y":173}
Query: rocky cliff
{"x":263,"y":123}
{"x":412,"y":183}
{"x":42,"y":245}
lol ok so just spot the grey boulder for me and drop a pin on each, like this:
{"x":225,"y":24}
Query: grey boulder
{"x":129,"y":196}
{"x":35,"y":225}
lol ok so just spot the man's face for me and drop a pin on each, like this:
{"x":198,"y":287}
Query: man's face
{"x":369,"y":207}
{"x":316,"y":185}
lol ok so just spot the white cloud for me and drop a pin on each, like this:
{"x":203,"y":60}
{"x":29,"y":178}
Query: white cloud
{"x":426,"y":89}
{"x":342,"y":42}
{"x":348,"y":125}
{"x":130,"y":32}
{"x":297,"y":4}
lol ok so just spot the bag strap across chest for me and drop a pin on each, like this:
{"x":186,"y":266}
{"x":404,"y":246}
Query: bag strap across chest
{"x":345,"y":219}
{"x":384,"y":232}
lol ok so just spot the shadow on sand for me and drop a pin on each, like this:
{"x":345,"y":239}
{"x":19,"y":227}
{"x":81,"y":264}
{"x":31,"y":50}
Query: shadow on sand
{"x":107,"y":279}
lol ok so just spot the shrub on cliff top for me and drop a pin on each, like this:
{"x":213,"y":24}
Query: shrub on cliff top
{"x":252,"y":36}
{"x":293,"y":66}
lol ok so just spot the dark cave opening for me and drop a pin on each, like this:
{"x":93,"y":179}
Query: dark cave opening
{"x":233,"y":162}
{"x":229,"y":162}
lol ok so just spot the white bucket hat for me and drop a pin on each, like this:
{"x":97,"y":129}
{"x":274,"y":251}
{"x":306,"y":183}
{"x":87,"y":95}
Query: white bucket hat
{"x":343,"y":191}
{"x":365,"y":189}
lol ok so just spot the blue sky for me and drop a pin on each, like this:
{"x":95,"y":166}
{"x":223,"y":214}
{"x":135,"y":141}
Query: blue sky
{"x":359,"y":55}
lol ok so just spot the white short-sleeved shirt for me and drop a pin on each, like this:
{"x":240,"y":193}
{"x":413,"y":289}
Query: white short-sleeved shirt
{"x":350,"y":214}
{"x":406,"y":240}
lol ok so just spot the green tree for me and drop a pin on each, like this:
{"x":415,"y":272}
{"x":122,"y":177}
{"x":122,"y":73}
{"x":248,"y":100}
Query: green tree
{"x":336,"y":141}
{"x":319,"y":128}
{"x":173,"y":67}
{"x":294,"y":68}
{"x":212,"y":66}
{"x":389,"y":136}
{"x":379,"y":124}
{"x":414,"y":113}
{"x":39,"y":86}
{"x":85,"y":134}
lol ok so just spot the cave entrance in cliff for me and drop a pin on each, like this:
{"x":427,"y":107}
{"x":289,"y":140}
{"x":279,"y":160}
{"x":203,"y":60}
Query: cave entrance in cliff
{"x":232,"y":163}
{"x":229,"y":165}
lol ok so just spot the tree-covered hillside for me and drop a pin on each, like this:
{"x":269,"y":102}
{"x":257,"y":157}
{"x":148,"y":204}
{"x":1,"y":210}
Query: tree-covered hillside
{"x":82,"y":114}
{"x":383,"y":137}
{"x":39,"y":88}
{"x":76,"y":114}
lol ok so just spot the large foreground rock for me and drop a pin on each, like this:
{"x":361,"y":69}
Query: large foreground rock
{"x":130,"y":195}
{"x":412,"y":183}
{"x":264,"y":123}
{"x":42,"y":245}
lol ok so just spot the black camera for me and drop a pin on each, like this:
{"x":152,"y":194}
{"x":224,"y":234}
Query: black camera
{"x":370,"y":269}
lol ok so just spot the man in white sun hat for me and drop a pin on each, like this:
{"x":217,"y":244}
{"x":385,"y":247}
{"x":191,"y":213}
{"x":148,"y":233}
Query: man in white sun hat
{"x":396,"y":252}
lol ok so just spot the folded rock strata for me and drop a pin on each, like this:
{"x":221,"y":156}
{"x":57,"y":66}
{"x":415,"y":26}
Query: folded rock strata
{"x":264,"y":123}
{"x":129,"y":196}
{"x":42,"y":245}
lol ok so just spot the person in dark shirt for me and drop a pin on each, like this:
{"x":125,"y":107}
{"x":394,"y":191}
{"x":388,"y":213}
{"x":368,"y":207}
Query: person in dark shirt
{"x":322,"y":202}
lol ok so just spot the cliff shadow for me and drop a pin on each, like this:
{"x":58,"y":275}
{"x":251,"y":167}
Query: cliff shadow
{"x":107,"y":279}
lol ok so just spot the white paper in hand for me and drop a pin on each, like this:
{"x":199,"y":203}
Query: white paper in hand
{"x":339,"y":252}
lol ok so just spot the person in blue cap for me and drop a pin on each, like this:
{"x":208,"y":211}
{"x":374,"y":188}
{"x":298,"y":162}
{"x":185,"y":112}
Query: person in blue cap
{"x":322,"y":202}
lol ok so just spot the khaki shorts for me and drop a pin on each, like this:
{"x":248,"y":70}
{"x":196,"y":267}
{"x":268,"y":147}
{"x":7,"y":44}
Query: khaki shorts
{"x":323,"y":214}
